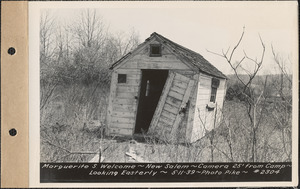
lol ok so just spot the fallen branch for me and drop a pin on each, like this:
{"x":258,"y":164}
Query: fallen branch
{"x":135,"y":157}
{"x":72,"y":152}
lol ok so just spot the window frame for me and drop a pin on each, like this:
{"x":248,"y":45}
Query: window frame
{"x":151,"y":52}
{"x":213,"y":94}
{"x":122,"y":78}
{"x":214,"y":88}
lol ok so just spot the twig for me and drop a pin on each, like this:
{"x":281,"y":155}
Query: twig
{"x":215,"y":53}
{"x":236,"y":46}
{"x":70,"y":152}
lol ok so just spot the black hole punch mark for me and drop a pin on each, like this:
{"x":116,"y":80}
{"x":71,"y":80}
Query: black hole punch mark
{"x":11,"y":51}
{"x":13,"y":132}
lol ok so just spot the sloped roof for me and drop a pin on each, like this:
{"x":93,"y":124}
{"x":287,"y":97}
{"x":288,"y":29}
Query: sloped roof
{"x":186,"y":54}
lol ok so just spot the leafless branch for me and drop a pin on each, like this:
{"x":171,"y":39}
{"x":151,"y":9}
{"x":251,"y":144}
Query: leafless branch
{"x":215,"y":53}
{"x":49,"y":93}
{"x":66,"y":150}
{"x":225,"y":154}
{"x":280,"y":64}
{"x":237,"y":45}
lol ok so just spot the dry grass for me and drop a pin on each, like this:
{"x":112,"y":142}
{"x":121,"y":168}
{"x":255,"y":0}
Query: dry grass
{"x":65,"y":137}
{"x":63,"y":123}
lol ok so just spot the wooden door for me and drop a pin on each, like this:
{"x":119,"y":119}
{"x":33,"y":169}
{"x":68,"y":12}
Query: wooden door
{"x":172,"y":106}
{"x":152,"y":84}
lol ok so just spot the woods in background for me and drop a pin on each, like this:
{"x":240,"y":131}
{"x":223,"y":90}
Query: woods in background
{"x":74,"y":89}
{"x":78,"y":54}
{"x":257,"y":118}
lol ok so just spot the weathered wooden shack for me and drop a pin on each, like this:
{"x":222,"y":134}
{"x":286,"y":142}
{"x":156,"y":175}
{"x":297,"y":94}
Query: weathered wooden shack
{"x":164,"y":89}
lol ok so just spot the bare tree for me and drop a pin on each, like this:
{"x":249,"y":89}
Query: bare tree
{"x":125,"y":42}
{"x":89,"y":29}
{"x":75,"y":59}
{"x":47,"y":38}
{"x":55,"y":50}
{"x":63,"y":43}
{"x":90,"y":36}
{"x":47,"y":52}
{"x":283,"y":108}
{"x":251,"y":100}
{"x":282,"y":63}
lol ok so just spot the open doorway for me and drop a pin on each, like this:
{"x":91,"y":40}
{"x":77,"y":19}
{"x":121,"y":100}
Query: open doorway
{"x":153,"y":82}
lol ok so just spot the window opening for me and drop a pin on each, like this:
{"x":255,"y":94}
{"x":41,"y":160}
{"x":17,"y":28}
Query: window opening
{"x":214,"y":85}
{"x":122,"y":78}
{"x":147,"y":88}
{"x":155,"y":50}
{"x":213,"y":94}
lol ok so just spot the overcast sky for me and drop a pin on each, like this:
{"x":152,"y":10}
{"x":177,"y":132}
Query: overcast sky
{"x":202,"y":25}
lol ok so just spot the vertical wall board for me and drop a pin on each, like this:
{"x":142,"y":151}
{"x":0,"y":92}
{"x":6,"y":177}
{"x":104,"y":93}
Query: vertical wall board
{"x":221,"y":94}
{"x":160,"y":104}
{"x":159,"y":126}
{"x":112,"y":96}
{"x":200,"y":116}
{"x":204,"y":119}
{"x":183,"y":104}
{"x":141,"y":59}
{"x":190,"y":120}
{"x":136,"y":104}
{"x":185,"y":124}
{"x":124,"y":102}
{"x":134,"y":53}
{"x":14,"y":94}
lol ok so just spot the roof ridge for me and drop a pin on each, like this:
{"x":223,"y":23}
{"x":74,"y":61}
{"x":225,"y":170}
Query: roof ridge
{"x":187,"y":49}
{"x":189,"y":55}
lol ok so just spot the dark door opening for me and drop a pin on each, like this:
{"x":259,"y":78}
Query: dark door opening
{"x":153,"y":82}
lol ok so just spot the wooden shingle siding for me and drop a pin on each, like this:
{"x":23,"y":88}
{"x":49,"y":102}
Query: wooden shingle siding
{"x":120,"y":131}
{"x":124,"y":114}
{"x":123,"y":107}
{"x":129,"y":71}
{"x":120,"y":101}
{"x":142,"y":60}
{"x":171,"y":109}
{"x":168,"y":114}
{"x":121,"y":125}
{"x":150,"y":64}
{"x":187,"y":73}
{"x":180,"y":84}
{"x":178,"y":89}
{"x":201,"y":114}
{"x":165,"y":130}
{"x":188,"y":86}
{"x":175,"y":98}
{"x":174,"y":101}
{"x":112,"y":94}
{"x":180,"y":77}
{"x":179,"y":117}
{"x":204,"y":90}
{"x":170,"y":51}
{"x":126,"y":88}
{"x":129,"y":82}
{"x":126,"y":95}
{"x":160,"y":105}
{"x":189,"y":122}
{"x":175,"y":95}
{"x":162,"y":123}
{"x":203,"y":98}
{"x":118,"y":120}
{"x":133,"y":76}
{"x":167,"y":119}
{"x":124,"y":104}
{"x":221,"y":92}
